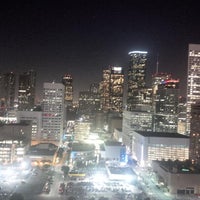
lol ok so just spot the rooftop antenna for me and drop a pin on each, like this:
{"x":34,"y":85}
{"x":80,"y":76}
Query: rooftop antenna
{"x":157,"y":64}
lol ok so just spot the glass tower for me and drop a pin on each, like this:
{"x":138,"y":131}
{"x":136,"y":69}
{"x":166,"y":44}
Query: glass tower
{"x":136,"y":78}
{"x":193,"y":80}
{"x":111,"y":89}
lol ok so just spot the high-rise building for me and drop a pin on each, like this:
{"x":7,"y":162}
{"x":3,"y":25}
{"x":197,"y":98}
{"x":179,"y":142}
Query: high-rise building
{"x":193,"y":80}
{"x":158,"y":79}
{"x":68,"y":83}
{"x":26,"y":91}
{"x":7,"y":92}
{"x":195,"y":133}
{"x":89,"y":101}
{"x":165,"y":104}
{"x":111,"y":89}
{"x":182,"y":115}
{"x":136,"y":79}
{"x":53,"y":116}
{"x":104,"y":89}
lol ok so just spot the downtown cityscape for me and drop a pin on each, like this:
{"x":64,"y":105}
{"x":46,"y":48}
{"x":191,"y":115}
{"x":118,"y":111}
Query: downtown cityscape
{"x":148,"y":136}
{"x":127,"y":129}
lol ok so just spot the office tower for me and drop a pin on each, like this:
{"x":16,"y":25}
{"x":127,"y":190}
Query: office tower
{"x":158,"y":79}
{"x":116,"y":89}
{"x":182,"y":115}
{"x":85,"y":103}
{"x":26,"y":91}
{"x":7,"y":92}
{"x":166,"y":101}
{"x":89,"y":101}
{"x":104,"y":89}
{"x":195,"y":133}
{"x":193,"y":80}
{"x":111,"y":89}
{"x":34,"y":119}
{"x":136,"y":79}
{"x":68,"y":83}
{"x":53,"y":112}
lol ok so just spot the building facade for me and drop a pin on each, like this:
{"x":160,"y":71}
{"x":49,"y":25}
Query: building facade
{"x":193,"y":80}
{"x":136,"y":79}
{"x":68,"y":83}
{"x":149,"y":146}
{"x":35,"y":119}
{"x":178,"y":177}
{"x":195,"y":133}
{"x":165,"y":102}
{"x":89,"y":101}
{"x":7,"y":92}
{"x":26,"y":90}
{"x":15,"y":140}
{"x":112,"y":89}
{"x":53,"y":115}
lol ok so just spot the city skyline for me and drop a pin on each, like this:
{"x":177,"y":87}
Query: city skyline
{"x":81,"y":39}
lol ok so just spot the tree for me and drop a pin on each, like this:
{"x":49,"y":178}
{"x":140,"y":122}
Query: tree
{"x":65,"y":170}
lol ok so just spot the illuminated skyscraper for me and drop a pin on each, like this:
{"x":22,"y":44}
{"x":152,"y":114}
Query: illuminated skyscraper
{"x":7,"y":92}
{"x":111,"y":89}
{"x":195,"y":133}
{"x":26,"y":91}
{"x":136,"y":79}
{"x":158,"y":79}
{"x":68,"y":83}
{"x":193,"y":80}
{"x":165,"y":102}
{"x":89,"y":101}
{"x":53,"y":112}
{"x":104,"y":89}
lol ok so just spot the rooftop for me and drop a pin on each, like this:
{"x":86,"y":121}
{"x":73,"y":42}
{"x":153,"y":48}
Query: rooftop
{"x":181,"y":167}
{"x":161,"y":134}
{"x":113,"y":143}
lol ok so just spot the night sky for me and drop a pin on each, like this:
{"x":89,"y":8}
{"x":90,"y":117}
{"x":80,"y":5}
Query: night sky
{"x":82,"y":37}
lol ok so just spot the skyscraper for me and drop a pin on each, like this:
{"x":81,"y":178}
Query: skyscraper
{"x":195,"y":133}
{"x":7,"y":92}
{"x":111,"y":89}
{"x":26,"y":91}
{"x":193,"y":80}
{"x":89,"y":101}
{"x":165,"y":102}
{"x":104,"y":89}
{"x":53,"y":112}
{"x":68,"y":83}
{"x":136,"y":78}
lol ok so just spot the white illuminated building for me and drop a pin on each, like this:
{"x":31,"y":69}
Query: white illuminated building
{"x":53,"y":112}
{"x":149,"y":146}
{"x":193,"y":79}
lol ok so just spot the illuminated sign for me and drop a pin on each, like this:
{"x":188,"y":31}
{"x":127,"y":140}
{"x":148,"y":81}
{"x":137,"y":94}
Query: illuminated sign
{"x":139,"y":52}
{"x":117,"y":68}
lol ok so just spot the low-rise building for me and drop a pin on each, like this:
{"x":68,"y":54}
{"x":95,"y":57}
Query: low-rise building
{"x":15,"y":140}
{"x":113,"y":151}
{"x":148,"y":146}
{"x":178,"y":177}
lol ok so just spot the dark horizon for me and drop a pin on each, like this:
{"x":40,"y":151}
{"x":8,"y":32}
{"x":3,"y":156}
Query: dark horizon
{"x":83,"y":37}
